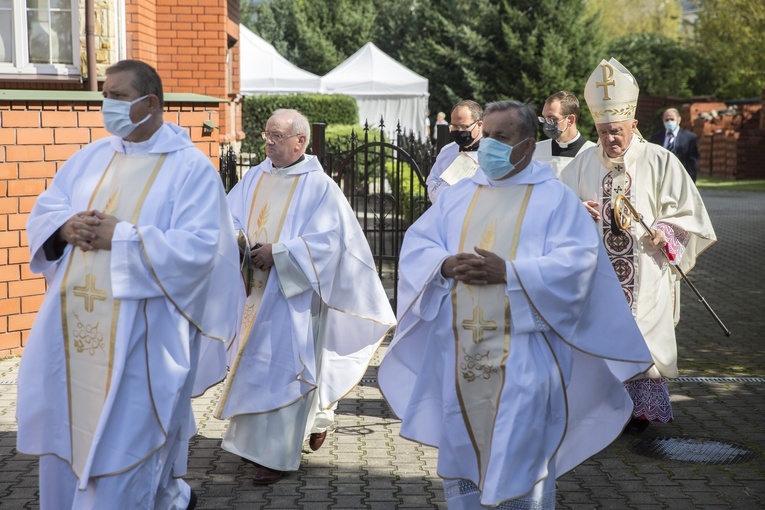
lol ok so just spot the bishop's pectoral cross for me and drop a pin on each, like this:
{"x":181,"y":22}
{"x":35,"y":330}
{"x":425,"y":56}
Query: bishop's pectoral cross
{"x":90,"y":292}
{"x":477,"y":325}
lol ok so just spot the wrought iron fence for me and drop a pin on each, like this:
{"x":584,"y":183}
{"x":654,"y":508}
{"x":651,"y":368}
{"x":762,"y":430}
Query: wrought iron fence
{"x":382,"y":177}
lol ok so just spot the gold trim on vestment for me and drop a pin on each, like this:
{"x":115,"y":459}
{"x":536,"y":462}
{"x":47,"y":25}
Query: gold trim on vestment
{"x":148,"y":369}
{"x":499,"y":210}
{"x":564,"y":339}
{"x":252,"y":305}
{"x":122,"y":173}
{"x":324,"y":302}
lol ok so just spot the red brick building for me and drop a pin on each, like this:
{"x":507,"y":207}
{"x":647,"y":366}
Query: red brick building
{"x":51,"y":69}
{"x":731,"y":135}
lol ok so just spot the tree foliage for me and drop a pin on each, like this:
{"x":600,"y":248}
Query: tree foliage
{"x":481,"y":49}
{"x":316,"y":36}
{"x":731,"y":33}
{"x":625,"y":17}
{"x":488,"y":50}
{"x":527,"y":49}
{"x":662,"y":66}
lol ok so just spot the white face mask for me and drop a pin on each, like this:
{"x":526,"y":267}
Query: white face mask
{"x":116,"y":115}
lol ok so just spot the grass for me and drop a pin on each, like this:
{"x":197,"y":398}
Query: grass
{"x":718,"y":183}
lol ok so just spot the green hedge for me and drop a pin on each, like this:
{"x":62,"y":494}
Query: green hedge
{"x":329,"y":109}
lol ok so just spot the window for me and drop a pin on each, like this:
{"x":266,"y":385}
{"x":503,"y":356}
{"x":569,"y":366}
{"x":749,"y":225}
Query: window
{"x":39,"y":37}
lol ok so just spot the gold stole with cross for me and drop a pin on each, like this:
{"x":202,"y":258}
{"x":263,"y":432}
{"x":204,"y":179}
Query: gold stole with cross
{"x":89,"y":312}
{"x":482,"y":314}
{"x":270,"y":203}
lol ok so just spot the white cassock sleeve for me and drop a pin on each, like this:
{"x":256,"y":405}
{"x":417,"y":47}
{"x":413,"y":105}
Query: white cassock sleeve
{"x":148,"y":261}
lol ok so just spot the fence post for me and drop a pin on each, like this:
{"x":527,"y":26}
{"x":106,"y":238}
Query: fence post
{"x":443,"y":137}
{"x":318,"y":147}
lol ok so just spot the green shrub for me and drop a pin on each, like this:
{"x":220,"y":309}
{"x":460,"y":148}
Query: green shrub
{"x":339,"y":141}
{"x":329,"y":109}
{"x":405,"y":182}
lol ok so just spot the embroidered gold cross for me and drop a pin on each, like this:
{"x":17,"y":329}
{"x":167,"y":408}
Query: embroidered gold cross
{"x":477,"y":325}
{"x":89,"y":292}
{"x":607,"y":81}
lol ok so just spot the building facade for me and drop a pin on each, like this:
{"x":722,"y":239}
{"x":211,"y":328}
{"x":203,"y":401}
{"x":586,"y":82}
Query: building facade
{"x":53,"y":57}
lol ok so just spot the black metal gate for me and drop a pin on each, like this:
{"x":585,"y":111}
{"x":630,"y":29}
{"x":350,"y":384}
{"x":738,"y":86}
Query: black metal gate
{"x":385,"y":187}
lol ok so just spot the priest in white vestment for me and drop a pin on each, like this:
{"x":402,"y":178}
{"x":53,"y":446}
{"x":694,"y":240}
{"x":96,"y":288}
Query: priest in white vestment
{"x":136,"y":242}
{"x":656,"y":184}
{"x":458,"y":159}
{"x":560,"y":114}
{"x":502,"y":358}
{"x":316,"y":312}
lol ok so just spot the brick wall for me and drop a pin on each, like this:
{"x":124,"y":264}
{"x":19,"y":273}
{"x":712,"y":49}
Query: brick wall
{"x":141,"y":32}
{"x":189,"y":41}
{"x":36,"y":138}
{"x":730,"y":137}
{"x":730,"y":140}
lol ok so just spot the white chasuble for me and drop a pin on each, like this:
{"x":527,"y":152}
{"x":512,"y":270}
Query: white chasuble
{"x":89,"y":311}
{"x":270,"y":204}
{"x":482,"y":315}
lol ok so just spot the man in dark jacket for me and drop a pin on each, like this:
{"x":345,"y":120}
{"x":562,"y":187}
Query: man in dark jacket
{"x":679,"y":141}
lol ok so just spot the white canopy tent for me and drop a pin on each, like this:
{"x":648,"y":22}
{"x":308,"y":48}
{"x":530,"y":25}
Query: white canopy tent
{"x":264,"y":71}
{"x":382,"y":88}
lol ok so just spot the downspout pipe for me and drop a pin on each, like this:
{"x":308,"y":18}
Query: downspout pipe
{"x":90,"y":44}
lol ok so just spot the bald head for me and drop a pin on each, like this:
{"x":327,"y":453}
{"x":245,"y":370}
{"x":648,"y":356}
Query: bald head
{"x":287,"y":136}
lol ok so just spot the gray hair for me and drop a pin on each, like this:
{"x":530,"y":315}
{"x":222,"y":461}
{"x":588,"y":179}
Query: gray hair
{"x":300,"y":124}
{"x":527,"y":127}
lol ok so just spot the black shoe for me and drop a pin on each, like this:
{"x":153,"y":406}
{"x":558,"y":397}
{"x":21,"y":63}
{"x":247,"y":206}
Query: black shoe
{"x":637,"y":426}
{"x":192,"y":501}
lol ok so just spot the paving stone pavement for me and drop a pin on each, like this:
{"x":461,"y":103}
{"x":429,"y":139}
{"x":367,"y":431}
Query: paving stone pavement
{"x":365,"y":464}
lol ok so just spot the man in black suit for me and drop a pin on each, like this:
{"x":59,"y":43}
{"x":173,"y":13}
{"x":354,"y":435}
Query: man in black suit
{"x":679,"y":141}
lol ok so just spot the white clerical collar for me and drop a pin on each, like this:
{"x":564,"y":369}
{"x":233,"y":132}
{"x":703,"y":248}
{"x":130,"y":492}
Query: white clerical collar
{"x":565,"y":145}
{"x":284,"y":170}
{"x":141,"y":148}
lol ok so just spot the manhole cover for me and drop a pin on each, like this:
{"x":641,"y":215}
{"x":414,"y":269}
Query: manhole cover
{"x":701,"y":451}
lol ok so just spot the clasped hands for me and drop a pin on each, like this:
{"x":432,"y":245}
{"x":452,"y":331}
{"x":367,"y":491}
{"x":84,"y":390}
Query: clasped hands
{"x":485,"y":268}
{"x":89,"y":230}
{"x":262,"y":257}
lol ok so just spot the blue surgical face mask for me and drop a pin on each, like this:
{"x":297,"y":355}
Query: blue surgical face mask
{"x":116,"y":115}
{"x":670,"y":125}
{"x":494,"y":158}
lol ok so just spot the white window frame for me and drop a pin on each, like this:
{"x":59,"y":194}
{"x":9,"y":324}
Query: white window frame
{"x":20,"y":64}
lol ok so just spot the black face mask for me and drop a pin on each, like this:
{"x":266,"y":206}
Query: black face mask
{"x":462,"y":138}
{"x":551,"y":130}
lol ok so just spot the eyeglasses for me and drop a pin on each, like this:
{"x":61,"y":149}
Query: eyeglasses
{"x":549,"y":120}
{"x":276,"y":137}
{"x":460,"y":127}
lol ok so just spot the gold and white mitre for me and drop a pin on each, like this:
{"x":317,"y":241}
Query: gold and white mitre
{"x":611,"y":93}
